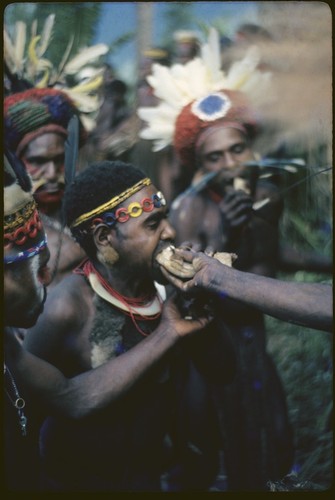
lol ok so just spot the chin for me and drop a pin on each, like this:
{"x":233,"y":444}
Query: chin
{"x":49,"y":198}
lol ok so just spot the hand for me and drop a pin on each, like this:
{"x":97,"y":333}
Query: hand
{"x":235,"y":208}
{"x":207,"y":270}
{"x":172,"y":316}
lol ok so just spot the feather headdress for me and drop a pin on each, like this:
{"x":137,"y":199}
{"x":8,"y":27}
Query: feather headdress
{"x":197,"y":94}
{"x":27,"y":67}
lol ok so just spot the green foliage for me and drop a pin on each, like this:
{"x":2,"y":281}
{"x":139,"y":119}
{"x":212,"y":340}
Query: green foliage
{"x":304,"y":360}
{"x":77,"y":19}
{"x":307,"y":219}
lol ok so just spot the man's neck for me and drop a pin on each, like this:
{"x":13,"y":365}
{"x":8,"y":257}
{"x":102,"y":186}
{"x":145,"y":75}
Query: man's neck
{"x":125,"y":282}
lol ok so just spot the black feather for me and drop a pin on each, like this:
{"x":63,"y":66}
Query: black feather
{"x":71,"y":149}
{"x":19,"y":170}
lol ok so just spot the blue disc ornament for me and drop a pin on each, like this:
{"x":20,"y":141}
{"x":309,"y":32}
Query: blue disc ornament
{"x":211,"y":107}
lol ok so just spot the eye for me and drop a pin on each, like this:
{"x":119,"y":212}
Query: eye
{"x":238,"y":149}
{"x":153,"y":224}
{"x":213,"y":157}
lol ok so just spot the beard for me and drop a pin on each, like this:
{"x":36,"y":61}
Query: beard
{"x":48,"y":199}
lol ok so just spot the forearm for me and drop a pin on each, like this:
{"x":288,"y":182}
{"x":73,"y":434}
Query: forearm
{"x":290,"y":260}
{"x":91,"y":390}
{"x":307,"y":304}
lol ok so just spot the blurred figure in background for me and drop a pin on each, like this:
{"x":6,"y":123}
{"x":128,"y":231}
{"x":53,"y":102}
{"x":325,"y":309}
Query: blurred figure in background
{"x":159,"y":165}
{"x":186,"y":46}
{"x":112,"y":115}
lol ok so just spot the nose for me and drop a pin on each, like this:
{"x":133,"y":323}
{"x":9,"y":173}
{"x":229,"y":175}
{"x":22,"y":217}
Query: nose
{"x":230,"y":160}
{"x":168,"y":232}
{"x":51,"y":171}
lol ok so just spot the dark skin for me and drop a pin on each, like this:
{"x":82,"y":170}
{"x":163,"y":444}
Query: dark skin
{"x":85,"y":393}
{"x":221,"y":217}
{"x":69,"y":316}
{"x":44,"y":387}
{"x":69,"y":310}
{"x":305,"y":304}
{"x":80,"y":395}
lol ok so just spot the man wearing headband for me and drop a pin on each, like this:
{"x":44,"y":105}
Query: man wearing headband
{"x":112,"y":310}
{"x":36,"y":122}
{"x":31,"y":383}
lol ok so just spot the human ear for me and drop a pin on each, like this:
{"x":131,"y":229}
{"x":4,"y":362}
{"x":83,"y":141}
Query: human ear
{"x":103,"y":239}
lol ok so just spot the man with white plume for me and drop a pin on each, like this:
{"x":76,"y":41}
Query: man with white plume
{"x":208,"y":117}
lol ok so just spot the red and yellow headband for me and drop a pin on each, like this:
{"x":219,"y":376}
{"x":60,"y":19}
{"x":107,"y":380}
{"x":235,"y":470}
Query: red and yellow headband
{"x":109,"y":205}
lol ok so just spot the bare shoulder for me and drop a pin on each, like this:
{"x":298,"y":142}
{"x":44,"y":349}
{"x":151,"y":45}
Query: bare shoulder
{"x":68,"y":299}
{"x":66,"y":311}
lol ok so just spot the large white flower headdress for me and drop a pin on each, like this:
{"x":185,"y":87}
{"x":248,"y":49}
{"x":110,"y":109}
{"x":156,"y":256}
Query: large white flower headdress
{"x":197,"y":94}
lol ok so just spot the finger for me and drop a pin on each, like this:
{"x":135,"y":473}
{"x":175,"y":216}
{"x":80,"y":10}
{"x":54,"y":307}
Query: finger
{"x":187,"y":245}
{"x":177,"y":282}
{"x":187,"y":255}
{"x":209,"y":251}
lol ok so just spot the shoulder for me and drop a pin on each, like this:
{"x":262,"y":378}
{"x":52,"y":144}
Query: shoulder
{"x":68,"y":299}
{"x":66,"y":311}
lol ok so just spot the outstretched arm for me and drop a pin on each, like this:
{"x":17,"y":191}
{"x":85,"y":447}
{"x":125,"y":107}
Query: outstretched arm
{"x":89,"y":391}
{"x":306,"y":304}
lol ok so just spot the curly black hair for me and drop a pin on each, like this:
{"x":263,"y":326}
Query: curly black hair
{"x":92,"y":187}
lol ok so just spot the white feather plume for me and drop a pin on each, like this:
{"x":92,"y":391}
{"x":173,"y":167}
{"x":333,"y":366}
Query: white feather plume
{"x":178,"y":85}
{"x":46,"y":35}
{"x":20,"y":44}
{"x":85,"y":56}
{"x":26,"y":61}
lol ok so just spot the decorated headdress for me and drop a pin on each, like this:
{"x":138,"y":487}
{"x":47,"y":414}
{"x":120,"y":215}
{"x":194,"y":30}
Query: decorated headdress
{"x":87,"y":205}
{"x":26,"y":67}
{"x":199,"y":95}
{"x":24,"y":235}
{"x":34,"y":112}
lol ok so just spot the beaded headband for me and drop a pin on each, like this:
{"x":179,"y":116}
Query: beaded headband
{"x":23,"y":233}
{"x":134,"y":209}
{"x":112,"y":203}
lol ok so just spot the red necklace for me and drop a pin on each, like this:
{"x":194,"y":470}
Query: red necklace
{"x":87,"y":267}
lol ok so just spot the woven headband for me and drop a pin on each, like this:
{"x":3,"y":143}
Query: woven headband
{"x":113,"y":202}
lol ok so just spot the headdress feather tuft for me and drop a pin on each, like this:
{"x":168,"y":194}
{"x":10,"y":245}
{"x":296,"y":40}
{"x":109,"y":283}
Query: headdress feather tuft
{"x":179,"y":85}
{"x":25,"y":63}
